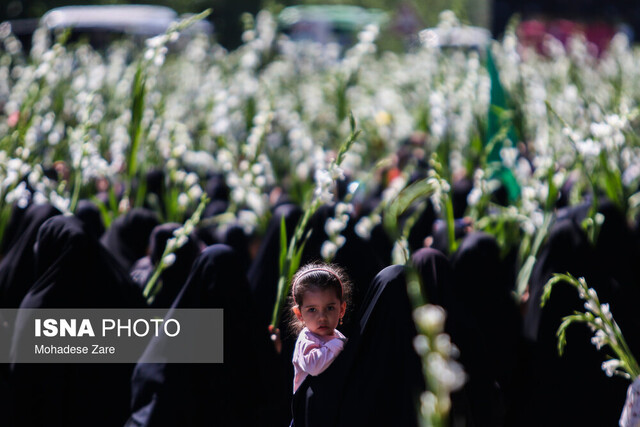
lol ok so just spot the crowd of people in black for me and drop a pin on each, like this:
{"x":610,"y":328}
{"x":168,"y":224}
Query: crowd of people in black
{"x":508,"y":348}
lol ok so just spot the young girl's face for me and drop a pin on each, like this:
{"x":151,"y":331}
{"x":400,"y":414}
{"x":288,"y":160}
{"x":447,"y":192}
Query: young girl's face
{"x":321,"y":310}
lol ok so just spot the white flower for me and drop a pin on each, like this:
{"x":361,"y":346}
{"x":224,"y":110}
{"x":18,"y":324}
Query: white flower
{"x":324,"y":194}
{"x":183,"y":200}
{"x":509,"y":156}
{"x":474,"y":196}
{"x":588,"y":148}
{"x":599,"y":339}
{"x":171,"y":243}
{"x":336,"y":172}
{"x":248,"y":220}
{"x":421,"y":345}
{"x":448,"y":373}
{"x":428,"y":403}
{"x":168,"y":260}
{"x":591,"y":306}
{"x":363,"y":227}
{"x":155,"y":42}
{"x":323,"y":178}
{"x":328,"y":250}
{"x":195,"y":192}
{"x":182,"y":238}
{"x":601,"y":130}
{"x":334,"y":226}
{"x":430,"y":318}
{"x":610,"y":366}
{"x":606,"y":312}
{"x":191,"y":179}
{"x":400,"y":252}
{"x":343,"y":208}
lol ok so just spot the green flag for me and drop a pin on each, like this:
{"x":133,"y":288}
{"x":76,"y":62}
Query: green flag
{"x":495,"y":126}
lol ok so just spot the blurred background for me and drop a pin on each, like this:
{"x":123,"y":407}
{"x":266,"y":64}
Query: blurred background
{"x":404,"y":17}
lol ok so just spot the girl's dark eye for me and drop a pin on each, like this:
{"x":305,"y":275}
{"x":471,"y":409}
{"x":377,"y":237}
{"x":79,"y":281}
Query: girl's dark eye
{"x":331,"y":308}
{"x":311,"y":310}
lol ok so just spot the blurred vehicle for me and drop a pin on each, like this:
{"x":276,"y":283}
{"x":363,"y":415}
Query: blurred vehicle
{"x":594,"y":19}
{"x":328,"y":23}
{"x":101,"y":25}
{"x":461,"y":37}
{"x":597,"y":33}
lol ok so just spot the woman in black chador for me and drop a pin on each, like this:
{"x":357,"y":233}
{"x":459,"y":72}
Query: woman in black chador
{"x":243,"y":390}
{"x":484,"y":288}
{"x":474,"y":403}
{"x":128,"y":237}
{"x":173,"y":277}
{"x":17,"y":272}
{"x":72,"y":271}
{"x":377,"y":379}
{"x":561,"y":390}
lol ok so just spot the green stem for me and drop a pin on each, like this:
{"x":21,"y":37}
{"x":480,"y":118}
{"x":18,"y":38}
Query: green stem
{"x":451,"y":225}
{"x":527,"y":267}
{"x":288,"y":266}
{"x":151,"y":284}
{"x":624,"y":353}
{"x":76,"y":190}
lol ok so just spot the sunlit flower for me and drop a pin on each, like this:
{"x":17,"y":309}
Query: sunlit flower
{"x":430,"y":317}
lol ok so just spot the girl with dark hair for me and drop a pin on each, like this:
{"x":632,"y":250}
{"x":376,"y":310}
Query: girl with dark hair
{"x":319,"y":294}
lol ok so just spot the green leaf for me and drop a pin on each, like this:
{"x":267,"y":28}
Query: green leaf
{"x":577,"y":317}
{"x":104,"y":211}
{"x":527,"y":268}
{"x":524,"y":274}
{"x":352,"y":122}
{"x":418,"y":190}
{"x":135,"y":127}
{"x":612,"y":182}
{"x":553,"y":191}
{"x":557,"y":277}
{"x":283,"y":243}
{"x":295,"y":261}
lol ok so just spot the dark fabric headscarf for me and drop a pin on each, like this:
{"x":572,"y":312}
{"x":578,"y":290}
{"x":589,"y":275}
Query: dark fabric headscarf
{"x":73,"y":271}
{"x":128,"y":237}
{"x":440,"y":234}
{"x":174,"y":276}
{"x":377,"y":379}
{"x":422,"y":228}
{"x":217,"y":188}
{"x":12,"y":228}
{"x":235,"y":237}
{"x":89,"y":214}
{"x":461,"y":190}
{"x":436,"y":274}
{"x":242,"y":391}
{"x":155,"y":191}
